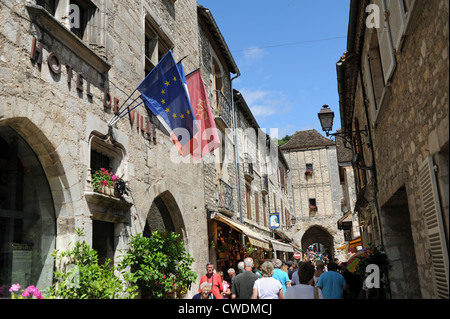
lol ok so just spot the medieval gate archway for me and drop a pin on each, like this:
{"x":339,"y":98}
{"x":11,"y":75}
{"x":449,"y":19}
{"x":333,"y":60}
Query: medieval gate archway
{"x":318,"y":234}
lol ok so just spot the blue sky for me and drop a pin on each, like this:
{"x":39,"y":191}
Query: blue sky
{"x":286,"y":51}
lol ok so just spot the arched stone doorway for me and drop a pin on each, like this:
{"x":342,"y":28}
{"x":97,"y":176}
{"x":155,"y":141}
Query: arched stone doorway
{"x":164,"y":215}
{"x":318,"y":234}
{"x":27,"y":215}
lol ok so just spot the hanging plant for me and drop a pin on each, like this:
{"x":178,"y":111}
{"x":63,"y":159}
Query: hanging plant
{"x":248,"y":249}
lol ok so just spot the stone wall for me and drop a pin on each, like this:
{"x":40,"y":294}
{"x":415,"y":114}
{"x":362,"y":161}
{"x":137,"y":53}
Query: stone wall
{"x":417,"y":118}
{"x":59,"y":121}
{"x":323,"y":186}
{"x":410,"y":125}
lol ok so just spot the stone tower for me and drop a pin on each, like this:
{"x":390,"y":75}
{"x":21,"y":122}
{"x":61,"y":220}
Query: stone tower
{"x":316,"y":191}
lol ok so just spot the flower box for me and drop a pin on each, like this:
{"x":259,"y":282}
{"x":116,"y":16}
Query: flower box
{"x":107,"y":183}
{"x":309,"y":172}
{"x":312,"y":208}
{"x":106,"y":190}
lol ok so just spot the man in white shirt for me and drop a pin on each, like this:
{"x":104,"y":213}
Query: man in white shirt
{"x":304,"y":290}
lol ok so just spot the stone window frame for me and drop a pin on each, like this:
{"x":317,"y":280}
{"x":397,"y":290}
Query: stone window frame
{"x":91,"y":50}
{"x":312,"y":201}
{"x":116,"y":153}
{"x":92,"y":18}
{"x":156,"y":43}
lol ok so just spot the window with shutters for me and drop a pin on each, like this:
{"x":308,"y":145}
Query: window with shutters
{"x":256,"y":208}
{"x":388,"y":61}
{"x":157,"y":44}
{"x":248,"y":201}
{"x":397,"y":22}
{"x":374,"y":72}
{"x":263,"y":197}
{"x":83,"y":18}
{"x":435,"y":228}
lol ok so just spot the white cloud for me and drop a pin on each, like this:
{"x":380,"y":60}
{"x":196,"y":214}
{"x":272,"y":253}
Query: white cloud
{"x":265,"y":103}
{"x":254,"y":96}
{"x":253,"y":53}
{"x":262,"y":110}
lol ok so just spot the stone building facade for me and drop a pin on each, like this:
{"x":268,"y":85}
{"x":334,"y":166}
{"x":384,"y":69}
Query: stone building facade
{"x":393,"y":85}
{"x":349,"y":222}
{"x":316,"y":191}
{"x":62,"y":82}
{"x":59,"y":88}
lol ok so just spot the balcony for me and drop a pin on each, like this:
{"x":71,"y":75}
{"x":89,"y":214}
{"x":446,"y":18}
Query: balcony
{"x":248,"y":167}
{"x":222,"y":111}
{"x":225,"y":197}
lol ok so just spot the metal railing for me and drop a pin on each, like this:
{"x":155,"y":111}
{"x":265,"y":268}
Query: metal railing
{"x":222,"y":108}
{"x":248,"y":166}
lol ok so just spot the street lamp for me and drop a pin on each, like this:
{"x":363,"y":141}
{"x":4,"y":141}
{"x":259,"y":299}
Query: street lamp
{"x":293,"y":220}
{"x":326,"y":116}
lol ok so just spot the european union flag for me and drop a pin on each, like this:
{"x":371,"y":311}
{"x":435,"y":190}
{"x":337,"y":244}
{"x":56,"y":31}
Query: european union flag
{"x":164,"y":93}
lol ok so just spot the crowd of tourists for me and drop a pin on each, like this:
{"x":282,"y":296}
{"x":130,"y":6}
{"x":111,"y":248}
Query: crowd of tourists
{"x":312,"y":278}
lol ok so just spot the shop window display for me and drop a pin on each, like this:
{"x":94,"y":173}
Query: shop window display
{"x":27,"y":216}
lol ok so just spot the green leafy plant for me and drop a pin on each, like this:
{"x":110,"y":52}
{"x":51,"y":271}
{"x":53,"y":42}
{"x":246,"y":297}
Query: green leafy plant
{"x":374,"y":255}
{"x":159,"y":265}
{"x":79,"y":276}
{"x":249,"y":249}
{"x":103,"y":177}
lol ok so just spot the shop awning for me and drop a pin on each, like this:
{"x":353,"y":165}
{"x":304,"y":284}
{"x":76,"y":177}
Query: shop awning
{"x":355,"y":243}
{"x":347,"y":218}
{"x":254,"y":238}
{"x":279,"y":246}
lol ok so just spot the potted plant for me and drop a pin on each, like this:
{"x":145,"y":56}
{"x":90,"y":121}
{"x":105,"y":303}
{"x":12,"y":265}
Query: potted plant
{"x":308,"y":172}
{"x":103,"y":181}
{"x":312,"y":208}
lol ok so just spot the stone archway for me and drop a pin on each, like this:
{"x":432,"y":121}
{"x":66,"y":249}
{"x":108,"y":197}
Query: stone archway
{"x":158,"y":218}
{"x":163,"y":213}
{"x":318,"y":234}
{"x":34,"y":206}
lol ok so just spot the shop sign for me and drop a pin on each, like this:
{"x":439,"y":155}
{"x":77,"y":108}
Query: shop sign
{"x":274,"y":219}
{"x":55,"y":65}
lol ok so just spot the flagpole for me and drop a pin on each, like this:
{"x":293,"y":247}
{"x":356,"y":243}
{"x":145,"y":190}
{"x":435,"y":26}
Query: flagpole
{"x":118,"y":118}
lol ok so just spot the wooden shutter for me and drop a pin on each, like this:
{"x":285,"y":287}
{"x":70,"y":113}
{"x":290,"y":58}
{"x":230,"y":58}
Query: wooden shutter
{"x":397,"y":21}
{"x":385,"y":42}
{"x":370,"y":89}
{"x":433,"y":219}
{"x":248,"y":201}
{"x":256,"y":208}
